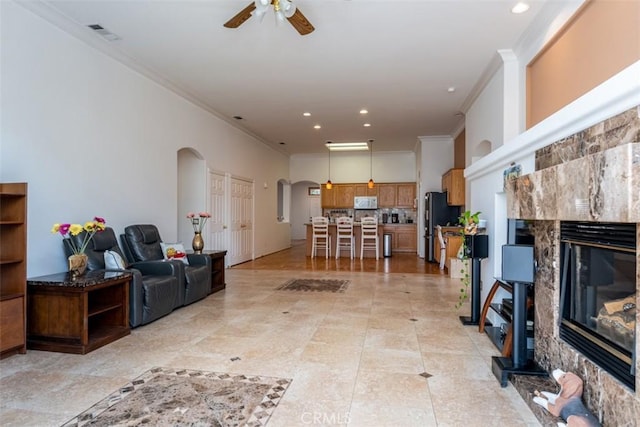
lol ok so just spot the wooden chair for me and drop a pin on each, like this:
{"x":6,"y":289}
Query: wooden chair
{"x":321,"y":237}
{"x":369,"y":236}
{"x":443,"y":247}
{"x":344,"y":236}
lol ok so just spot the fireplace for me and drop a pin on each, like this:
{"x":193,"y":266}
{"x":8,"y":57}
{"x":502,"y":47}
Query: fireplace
{"x":598,"y":294}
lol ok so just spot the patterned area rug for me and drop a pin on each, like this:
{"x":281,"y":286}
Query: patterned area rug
{"x":181,"y":397}
{"x":314,"y":285}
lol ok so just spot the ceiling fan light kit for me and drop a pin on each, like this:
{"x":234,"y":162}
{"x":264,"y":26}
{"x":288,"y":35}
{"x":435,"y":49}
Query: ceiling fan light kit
{"x":283,"y":9}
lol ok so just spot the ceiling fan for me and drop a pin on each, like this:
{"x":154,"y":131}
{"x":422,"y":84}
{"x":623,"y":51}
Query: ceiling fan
{"x":283,"y":9}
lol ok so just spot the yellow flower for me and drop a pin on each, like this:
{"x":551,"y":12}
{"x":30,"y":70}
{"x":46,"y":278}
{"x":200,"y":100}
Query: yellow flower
{"x":75,"y":229}
{"x":56,"y":228}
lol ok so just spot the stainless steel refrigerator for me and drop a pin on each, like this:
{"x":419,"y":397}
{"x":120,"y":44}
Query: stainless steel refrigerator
{"x":437,"y":212}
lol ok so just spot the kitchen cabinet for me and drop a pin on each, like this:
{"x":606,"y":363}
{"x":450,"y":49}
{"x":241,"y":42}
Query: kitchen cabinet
{"x":406,"y":195}
{"x":364,"y":190}
{"x":327,"y":197}
{"x":453,"y":184}
{"x":403,"y":237}
{"x":13,"y":268}
{"x":387,"y":195}
{"x":344,"y":195}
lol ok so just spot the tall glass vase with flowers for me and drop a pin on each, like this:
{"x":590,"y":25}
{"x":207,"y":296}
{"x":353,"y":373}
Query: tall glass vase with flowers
{"x":78,"y":259}
{"x":198,"y":222}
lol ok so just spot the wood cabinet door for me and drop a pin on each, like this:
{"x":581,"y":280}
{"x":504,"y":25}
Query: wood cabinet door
{"x":406,"y":195}
{"x":344,"y":196}
{"x":364,"y":190}
{"x":327,"y":197}
{"x":456,"y":190}
{"x":387,"y":196}
{"x":406,"y":239}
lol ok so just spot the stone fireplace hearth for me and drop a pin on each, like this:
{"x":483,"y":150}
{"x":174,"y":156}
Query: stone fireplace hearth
{"x":593,"y":176}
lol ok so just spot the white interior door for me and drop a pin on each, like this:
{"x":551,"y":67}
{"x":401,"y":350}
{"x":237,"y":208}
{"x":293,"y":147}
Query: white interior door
{"x":240,"y":221}
{"x":217,"y":208}
{"x":315,"y":208}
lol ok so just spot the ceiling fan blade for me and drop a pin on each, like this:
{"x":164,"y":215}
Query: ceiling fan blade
{"x":242,"y":16}
{"x":300,"y":23}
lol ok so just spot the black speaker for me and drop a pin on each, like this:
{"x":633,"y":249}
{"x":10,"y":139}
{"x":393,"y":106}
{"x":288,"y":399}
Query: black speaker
{"x":518,"y":264}
{"x":477,"y":245}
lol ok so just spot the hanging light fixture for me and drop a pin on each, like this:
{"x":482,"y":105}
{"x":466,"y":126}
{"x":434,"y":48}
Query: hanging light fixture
{"x":329,"y":185}
{"x":283,"y":9}
{"x":371,"y":184}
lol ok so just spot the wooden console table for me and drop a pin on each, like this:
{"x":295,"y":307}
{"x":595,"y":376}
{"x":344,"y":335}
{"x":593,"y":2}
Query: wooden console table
{"x":77,"y":316}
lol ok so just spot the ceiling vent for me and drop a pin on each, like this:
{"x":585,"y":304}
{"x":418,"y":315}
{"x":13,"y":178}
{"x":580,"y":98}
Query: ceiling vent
{"x":104,"y":33}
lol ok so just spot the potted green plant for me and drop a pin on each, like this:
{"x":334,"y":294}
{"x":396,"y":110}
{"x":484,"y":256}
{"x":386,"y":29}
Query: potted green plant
{"x":469,"y":222}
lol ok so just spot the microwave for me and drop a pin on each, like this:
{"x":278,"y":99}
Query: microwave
{"x":369,"y":202}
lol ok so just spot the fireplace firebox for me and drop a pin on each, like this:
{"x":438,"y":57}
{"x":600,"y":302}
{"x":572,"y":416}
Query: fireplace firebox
{"x":598,"y":294}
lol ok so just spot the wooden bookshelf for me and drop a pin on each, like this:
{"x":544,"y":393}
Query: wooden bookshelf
{"x":13,"y":268}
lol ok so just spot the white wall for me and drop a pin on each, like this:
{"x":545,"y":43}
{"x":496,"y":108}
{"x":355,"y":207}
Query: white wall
{"x":484,"y":120}
{"x":92,"y":137}
{"x":300,"y":202}
{"x":436,"y":158}
{"x":354,"y":166}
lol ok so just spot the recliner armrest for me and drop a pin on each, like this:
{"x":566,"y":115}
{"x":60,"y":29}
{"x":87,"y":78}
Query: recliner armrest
{"x":159,"y":268}
{"x":199,"y":259}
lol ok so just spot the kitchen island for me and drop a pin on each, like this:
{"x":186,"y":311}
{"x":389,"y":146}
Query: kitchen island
{"x":404,"y":239}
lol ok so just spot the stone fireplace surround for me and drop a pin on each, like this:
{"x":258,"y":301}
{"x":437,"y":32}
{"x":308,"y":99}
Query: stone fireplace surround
{"x":593,"y":175}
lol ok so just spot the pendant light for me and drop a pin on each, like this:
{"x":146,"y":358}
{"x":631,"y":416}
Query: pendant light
{"x":371,"y":184}
{"x":329,"y":185}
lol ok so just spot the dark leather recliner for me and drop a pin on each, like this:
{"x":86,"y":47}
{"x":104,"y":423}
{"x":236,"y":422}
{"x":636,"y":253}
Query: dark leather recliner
{"x":155,"y":287}
{"x":141,"y":242}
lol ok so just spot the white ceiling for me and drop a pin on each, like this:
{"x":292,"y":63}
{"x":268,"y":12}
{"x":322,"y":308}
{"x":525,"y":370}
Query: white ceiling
{"x":395,"y":58}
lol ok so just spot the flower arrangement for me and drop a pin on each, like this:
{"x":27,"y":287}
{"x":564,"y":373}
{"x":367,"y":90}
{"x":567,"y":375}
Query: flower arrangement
{"x":91,"y":227}
{"x":198,"y":220}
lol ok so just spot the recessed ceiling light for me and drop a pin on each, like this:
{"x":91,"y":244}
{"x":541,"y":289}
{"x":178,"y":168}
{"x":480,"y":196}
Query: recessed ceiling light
{"x":451,"y":89}
{"x":347,"y":146}
{"x":237,"y":117}
{"x":520,"y":7}
{"x":317,"y":127}
{"x":306,"y":114}
{"x":363,"y":111}
{"x":367,"y":125}
{"x":282,"y":143}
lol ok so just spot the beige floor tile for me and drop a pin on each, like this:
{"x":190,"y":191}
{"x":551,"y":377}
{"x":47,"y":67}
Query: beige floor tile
{"x":396,"y":389}
{"x":368,"y":415}
{"x":390,"y":360}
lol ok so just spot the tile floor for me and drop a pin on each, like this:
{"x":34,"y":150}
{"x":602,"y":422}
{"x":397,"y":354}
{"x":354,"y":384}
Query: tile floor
{"x":355,"y":357}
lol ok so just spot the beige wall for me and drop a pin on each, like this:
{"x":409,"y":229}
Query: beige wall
{"x":459,"y":150}
{"x":602,"y":39}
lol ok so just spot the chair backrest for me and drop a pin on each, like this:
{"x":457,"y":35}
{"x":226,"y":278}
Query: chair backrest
{"x":344,"y":226}
{"x":102,"y":241}
{"x":369,"y":226}
{"x":440,"y":236}
{"x":141,"y":242}
{"x":320,"y":225}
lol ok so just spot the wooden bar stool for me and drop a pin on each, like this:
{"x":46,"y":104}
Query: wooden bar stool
{"x":369,"y":236}
{"x":344,"y":236}
{"x":321,"y":237}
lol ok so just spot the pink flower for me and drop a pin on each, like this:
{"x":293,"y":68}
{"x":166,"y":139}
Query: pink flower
{"x":98,"y":219}
{"x":191,"y":215}
{"x":64,"y":229}
{"x":204,"y":215}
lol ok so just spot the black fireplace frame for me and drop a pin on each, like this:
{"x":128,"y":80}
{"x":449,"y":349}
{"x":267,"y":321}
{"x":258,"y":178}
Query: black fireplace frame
{"x":613,"y":358}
